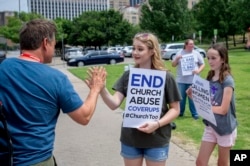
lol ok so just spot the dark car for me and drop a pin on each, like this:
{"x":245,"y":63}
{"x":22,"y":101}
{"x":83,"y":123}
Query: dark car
{"x":96,"y":57}
{"x":2,"y":55}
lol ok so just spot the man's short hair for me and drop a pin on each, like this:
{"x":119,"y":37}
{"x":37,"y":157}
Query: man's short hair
{"x":34,"y":32}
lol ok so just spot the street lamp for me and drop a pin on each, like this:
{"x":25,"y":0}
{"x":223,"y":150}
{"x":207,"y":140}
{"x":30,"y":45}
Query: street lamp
{"x":19,"y":8}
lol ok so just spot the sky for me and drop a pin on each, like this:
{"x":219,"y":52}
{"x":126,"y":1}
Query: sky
{"x":13,"y":5}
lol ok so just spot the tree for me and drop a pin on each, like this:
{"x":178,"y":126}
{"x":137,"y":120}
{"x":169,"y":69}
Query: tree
{"x":11,"y":30}
{"x":241,"y":16}
{"x":166,"y":18}
{"x":63,"y":28}
{"x":218,"y":15}
{"x":100,"y":28}
{"x":245,"y":14}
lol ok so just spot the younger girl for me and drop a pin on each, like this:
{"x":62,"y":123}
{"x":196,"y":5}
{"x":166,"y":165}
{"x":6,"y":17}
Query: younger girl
{"x":223,"y":107}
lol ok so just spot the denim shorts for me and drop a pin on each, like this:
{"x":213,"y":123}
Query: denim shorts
{"x":152,"y":154}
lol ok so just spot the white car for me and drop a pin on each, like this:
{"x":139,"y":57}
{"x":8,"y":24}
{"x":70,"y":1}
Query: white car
{"x":115,"y":49}
{"x":127,"y":51}
{"x":168,"y":51}
{"x":73,"y":53}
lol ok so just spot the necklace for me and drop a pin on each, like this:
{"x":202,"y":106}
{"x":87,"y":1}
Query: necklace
{"x":31,"y":57}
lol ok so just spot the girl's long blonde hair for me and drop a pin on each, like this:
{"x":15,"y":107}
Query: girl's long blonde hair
{"x":152,"y":43}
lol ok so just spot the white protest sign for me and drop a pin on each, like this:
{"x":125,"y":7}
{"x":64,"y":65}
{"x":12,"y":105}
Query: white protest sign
{"x":144,"y":97}
{"x":202,"y":99}
{"x":187,"y":64}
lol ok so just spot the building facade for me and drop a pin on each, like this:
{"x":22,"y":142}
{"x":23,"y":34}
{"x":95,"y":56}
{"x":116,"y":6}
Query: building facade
{"x":67,"y":9}
{"x":70,"y":9}
{"x":131,"y":14}
{"x":4,"y":17}
{"x":118,"y":4}
{"x":135,"y":2}
{"x":3,"y":21}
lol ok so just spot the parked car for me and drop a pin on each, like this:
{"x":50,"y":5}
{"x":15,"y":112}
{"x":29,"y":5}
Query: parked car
{"x":127,"y":51}
{"x":168,"y":51}
{"x":72,"y":53}
{"x":87,"y":49}
{"x":96,"y":57}
{"x":171,"y":47}
{"x":2,"y":55}
{"x":115,"y":49}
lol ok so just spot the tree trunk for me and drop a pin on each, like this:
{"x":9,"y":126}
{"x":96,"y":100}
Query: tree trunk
{"x":226,"y":37}
{"x":234,"y":41}
{"x":243,"y":38}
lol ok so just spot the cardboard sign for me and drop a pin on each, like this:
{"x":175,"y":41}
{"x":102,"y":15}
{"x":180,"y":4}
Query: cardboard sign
{"x":187,"y":64}
{"x":144,"y":97}
{"x":202,"y":99}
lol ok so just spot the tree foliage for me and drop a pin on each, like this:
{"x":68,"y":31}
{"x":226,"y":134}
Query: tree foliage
{"x":100,"y":28}
{"x":166,"y":18}
{"x":63,"y":28}
{"x":211,"y":15}
{"x":11,"y":30}
{"x":227,"y":16}
{"x":241,"y":14}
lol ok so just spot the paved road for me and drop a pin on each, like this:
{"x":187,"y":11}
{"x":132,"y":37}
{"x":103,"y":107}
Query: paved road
{"x":98,"y":143}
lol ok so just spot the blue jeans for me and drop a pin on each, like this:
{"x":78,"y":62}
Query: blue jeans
{"x":182,"y":89}
{"x":152,"y":154}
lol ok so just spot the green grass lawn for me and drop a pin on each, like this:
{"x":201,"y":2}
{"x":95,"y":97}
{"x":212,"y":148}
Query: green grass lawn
{"x":189,"y":129}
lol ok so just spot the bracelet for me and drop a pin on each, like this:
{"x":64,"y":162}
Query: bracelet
{"x":159,"y":125}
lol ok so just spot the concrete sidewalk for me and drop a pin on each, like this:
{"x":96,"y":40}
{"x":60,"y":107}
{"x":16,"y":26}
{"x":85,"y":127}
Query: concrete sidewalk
{"x":97,"y":144}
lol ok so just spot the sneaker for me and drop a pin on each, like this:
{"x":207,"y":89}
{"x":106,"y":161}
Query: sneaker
{"x":196,"y":117}
{"x":180,"y":115}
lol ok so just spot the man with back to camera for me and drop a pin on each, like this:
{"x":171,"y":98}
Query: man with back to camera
{"x":32,"y":94}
